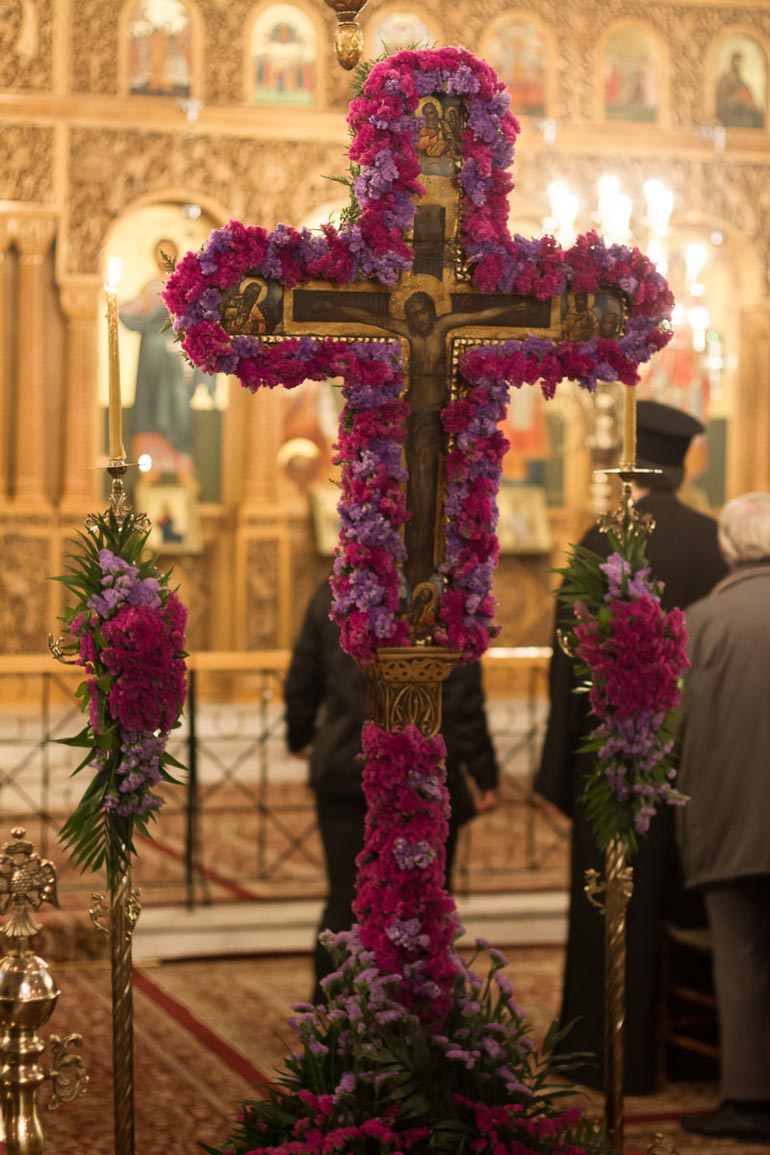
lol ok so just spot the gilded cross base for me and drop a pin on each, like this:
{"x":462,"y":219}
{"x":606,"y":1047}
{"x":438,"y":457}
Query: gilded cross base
{"x":405,"y":687}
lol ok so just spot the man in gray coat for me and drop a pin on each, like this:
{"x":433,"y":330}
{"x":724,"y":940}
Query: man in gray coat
{"x":724,"y":831}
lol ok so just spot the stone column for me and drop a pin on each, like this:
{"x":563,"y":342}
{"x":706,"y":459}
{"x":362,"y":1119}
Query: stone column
{"x":32,"y":236}
{"x":748,"y":460}
{"x":5,"y":243}
{"x":81,"y":482}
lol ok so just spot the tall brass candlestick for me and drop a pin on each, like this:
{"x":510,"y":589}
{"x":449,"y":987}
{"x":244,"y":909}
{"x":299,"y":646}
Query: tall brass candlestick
{"x":629,"y":425}
{"x":117,"y":449}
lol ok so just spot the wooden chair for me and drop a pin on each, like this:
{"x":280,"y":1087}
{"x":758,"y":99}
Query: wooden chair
{"x":689,"y":1029}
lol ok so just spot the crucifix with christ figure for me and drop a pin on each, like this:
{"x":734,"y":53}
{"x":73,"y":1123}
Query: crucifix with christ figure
{"x":428,"y":267}
{"x":436,"y":313}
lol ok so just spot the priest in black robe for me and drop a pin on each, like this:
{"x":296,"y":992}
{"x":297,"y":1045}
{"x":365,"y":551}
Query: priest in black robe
{"x":684,"y":554}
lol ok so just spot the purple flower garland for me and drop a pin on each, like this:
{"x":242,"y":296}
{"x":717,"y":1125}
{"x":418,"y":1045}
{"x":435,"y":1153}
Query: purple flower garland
{"x":374,"y":247}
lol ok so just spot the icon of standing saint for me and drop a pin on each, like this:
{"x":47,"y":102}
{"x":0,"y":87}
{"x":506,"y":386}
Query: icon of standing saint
{"x":440,"y":138}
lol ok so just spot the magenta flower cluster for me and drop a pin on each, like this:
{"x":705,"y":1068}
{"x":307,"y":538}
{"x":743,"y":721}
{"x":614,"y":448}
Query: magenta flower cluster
{"x":634,"y":655}
{"x":407,"y":919}
{"x":375,"y":246}
{"x":131,"y":642}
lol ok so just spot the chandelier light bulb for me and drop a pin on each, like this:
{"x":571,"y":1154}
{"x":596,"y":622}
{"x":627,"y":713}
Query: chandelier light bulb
{"x":613,"y":210}
{"x":660,"y":202}
{"x":656,"y":251}
{"x":609,"y":188}
{"x":699,"y":323}
{"x":564,"y":211}
{"x":694,"y":258}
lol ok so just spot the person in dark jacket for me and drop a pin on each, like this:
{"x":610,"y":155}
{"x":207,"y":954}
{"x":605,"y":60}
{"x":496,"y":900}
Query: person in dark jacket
{"x":326,"y":706}
{"x":684,"y":554}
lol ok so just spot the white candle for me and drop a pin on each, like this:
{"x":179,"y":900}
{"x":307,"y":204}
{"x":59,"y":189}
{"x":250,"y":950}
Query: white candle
{"x":117,"y":448}
{"x":629,"y":425}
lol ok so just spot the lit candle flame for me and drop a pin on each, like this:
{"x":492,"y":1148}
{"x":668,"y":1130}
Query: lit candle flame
{"x":114,"y":270}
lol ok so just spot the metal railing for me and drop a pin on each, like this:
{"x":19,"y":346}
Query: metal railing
{"x":243,"y":826}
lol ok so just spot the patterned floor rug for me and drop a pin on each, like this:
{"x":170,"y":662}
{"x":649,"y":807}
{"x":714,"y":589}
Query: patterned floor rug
{"x":208,"y":1033}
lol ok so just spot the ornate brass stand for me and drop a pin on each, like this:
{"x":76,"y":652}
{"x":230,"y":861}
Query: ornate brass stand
{"x":124,"y":911}
{"x":124,"y":906}
{"x":28,"y":996}
{"x":349,"y":39}
{"x":618,"y":883}
{"x":617,"y":888}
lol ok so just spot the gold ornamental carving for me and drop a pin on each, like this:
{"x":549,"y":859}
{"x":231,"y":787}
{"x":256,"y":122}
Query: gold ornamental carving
{"x":26,"y":174}
{"x":94,"y":47}
{"x":349,"y":44}
{"x":405,"y":687}
{"x":111,"y":170}
{"x":26,"y":45}
{"x":33,"y":235}
{"x":10,"y":27}
{"x":348,"y":39}
{"x":261,"y":627}
{"x":24,"y":600}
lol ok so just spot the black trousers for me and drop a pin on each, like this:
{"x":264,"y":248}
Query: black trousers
{"x":341,"y":825}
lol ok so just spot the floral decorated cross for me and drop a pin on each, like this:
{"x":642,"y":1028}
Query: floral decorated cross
{"x":429,"y":310}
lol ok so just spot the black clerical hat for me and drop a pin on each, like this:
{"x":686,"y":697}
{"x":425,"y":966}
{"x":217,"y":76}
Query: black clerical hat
{"x":663,"y":434}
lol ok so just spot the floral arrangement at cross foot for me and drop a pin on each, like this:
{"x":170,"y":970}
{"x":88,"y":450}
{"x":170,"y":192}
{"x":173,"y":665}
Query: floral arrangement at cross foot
{"x":413,"y":1050}
{"x":369,"y":1078}
{"x":631,"y":655}
{"x":373,"y":244}
{"x":126,"y":628}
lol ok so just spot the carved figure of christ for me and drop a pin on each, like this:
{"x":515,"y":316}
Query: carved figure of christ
{"x":427,"y":334}
{"x":428,"y":309}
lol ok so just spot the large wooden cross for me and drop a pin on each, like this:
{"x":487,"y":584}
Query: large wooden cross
{"x":436,"y":313}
